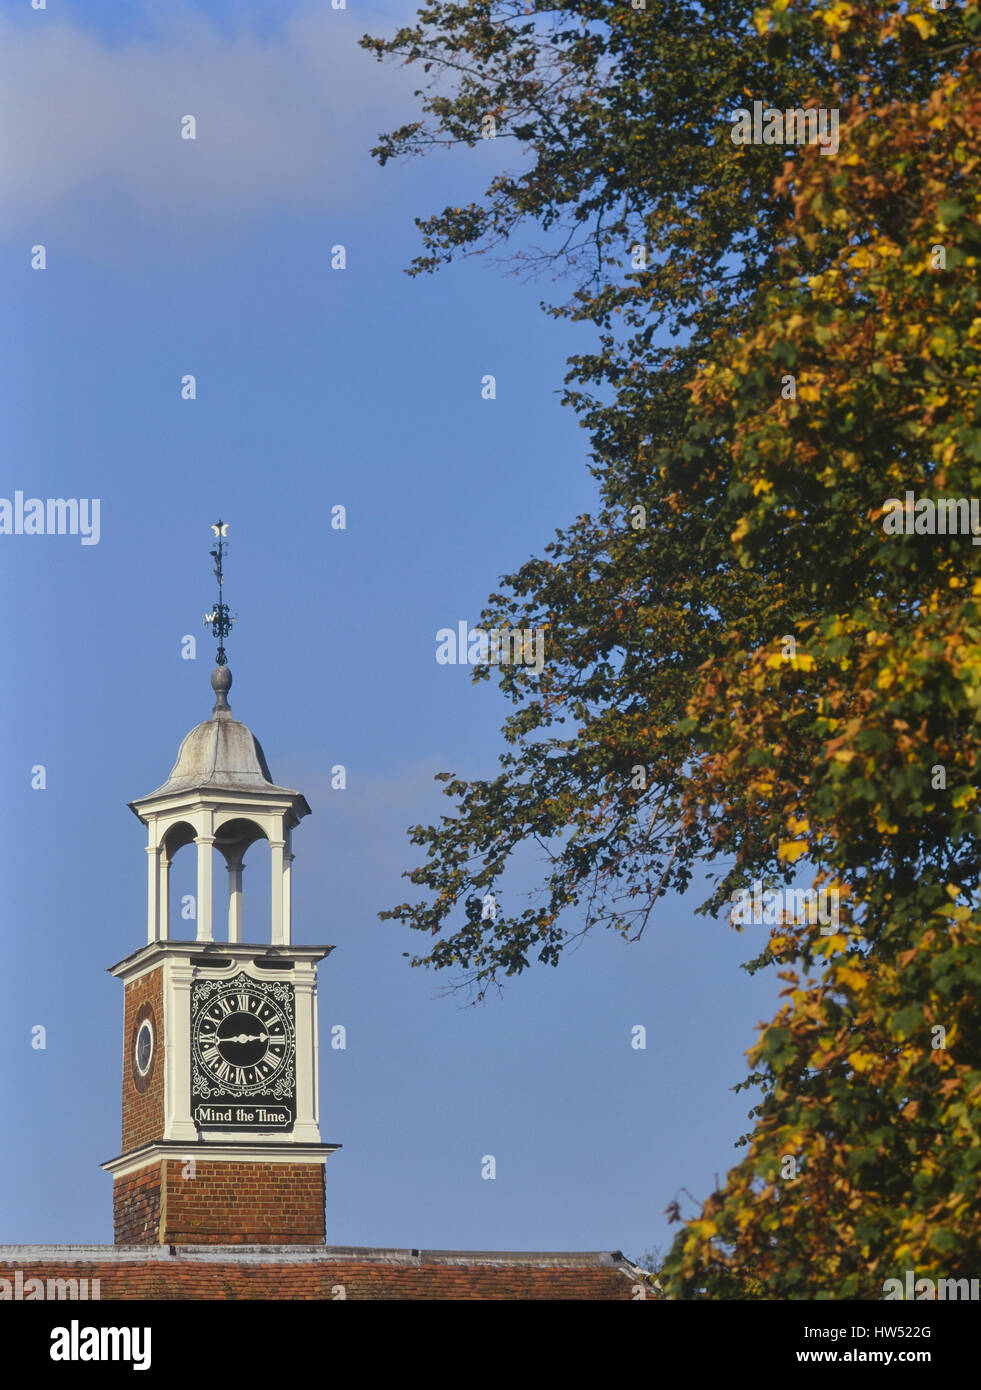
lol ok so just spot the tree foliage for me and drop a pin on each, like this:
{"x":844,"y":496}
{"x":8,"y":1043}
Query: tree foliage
{"x":854,"y":747}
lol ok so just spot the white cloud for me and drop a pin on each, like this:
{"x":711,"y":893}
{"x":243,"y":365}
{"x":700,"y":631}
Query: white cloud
{"x":284,"y":121}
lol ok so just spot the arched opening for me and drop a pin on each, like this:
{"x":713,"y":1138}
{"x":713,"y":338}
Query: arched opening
{"x":217,"y":870}
{"x":248,"y":911}
{"x":178,"y":885}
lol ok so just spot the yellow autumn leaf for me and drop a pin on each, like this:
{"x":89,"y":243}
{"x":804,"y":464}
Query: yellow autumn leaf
{"x":856,"y":980}
{"x":861,"y":1061}
{"x":791,"y":850}
{"x":837,"y":16}
{"x":837,"y":942}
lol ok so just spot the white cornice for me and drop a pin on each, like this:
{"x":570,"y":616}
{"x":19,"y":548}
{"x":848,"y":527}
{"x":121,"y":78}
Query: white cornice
{"x":152,"y":807}
{"x":238,"y":1150}
{"x":200,"y":952}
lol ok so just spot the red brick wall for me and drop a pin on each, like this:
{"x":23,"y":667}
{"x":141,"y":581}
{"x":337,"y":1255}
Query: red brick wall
{"x":136,"y":1207}
{"x":220,"y":1204}
{"x":244,"y":1204}
{"x":143,"y":1114}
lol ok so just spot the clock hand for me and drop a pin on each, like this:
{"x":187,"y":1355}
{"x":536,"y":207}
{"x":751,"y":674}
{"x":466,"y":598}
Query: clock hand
{"x":247,"y":1037}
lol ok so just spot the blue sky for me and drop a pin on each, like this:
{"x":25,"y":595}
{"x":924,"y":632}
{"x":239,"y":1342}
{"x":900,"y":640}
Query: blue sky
{"x":314,"y":387}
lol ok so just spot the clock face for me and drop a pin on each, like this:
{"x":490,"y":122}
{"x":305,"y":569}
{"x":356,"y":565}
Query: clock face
{"x":144,"y":1047}
{"x":243,"y":1049}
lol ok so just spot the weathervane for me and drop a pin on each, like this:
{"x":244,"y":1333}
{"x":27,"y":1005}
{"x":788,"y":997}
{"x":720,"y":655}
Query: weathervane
{"x":219,"y":618}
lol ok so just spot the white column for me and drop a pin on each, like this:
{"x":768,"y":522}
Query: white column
{"x":205,"y":844}
{"x":277,"y":850}
{"x":153,"y":893}
{"x":315,"y":1024}
{"x":235,"y":901}
{"x":178,"y":1123}
{"x":164,"y":900}
{"x":307,"y":1129}
{"x":287,"y":887}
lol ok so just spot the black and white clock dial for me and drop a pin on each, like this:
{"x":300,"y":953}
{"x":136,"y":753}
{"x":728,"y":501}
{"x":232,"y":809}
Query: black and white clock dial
{"x":243,"y":1039}
{"x":243,"y":1050}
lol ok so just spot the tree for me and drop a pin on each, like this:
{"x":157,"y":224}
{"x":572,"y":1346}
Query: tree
{"x":864,"y":749}
{"x":761,"y":670}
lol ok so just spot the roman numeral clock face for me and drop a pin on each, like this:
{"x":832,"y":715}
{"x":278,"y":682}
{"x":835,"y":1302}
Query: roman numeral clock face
{"x":243,"y":1054}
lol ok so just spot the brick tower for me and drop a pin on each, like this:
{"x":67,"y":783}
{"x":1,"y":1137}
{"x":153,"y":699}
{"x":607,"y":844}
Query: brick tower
{"x":220,"y":1135}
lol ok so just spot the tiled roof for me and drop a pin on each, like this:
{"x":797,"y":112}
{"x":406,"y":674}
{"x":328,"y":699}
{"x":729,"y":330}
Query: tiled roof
{"x":321,"y":1272}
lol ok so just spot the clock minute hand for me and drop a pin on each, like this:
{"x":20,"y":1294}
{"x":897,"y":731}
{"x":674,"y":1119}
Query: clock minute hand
{"x":247,"y":1037}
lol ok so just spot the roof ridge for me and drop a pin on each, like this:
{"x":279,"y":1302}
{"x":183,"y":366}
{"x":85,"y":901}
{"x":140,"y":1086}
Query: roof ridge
{"x":304,"y":1254}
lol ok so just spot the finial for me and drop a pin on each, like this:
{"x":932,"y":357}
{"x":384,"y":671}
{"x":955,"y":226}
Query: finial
{"x":221,"y":683}
{"x":219,"y":618}
{"x":221,"y":622}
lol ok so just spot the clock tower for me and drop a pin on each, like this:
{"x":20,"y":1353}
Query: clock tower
{"x":220,"y":1136}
